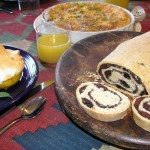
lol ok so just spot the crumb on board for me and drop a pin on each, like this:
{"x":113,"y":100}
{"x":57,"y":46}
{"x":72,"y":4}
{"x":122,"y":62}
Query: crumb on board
{"x":85,"y":77}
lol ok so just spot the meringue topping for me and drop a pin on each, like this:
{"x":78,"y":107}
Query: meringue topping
{"x":12,"y":63}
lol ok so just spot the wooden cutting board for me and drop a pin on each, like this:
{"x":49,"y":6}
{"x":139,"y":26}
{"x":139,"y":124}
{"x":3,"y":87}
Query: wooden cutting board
{"x":78,"y":65}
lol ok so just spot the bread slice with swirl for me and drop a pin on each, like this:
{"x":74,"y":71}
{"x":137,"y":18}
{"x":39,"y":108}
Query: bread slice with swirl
{"x":102,"y":102}
{"x":141,"y":111}
{"x":11,"y":67}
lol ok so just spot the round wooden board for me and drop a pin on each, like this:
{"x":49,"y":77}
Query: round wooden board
{"x":78,"y":65}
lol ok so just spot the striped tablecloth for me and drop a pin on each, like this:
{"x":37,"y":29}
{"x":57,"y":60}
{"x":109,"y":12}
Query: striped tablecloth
{"x":51,"y":130}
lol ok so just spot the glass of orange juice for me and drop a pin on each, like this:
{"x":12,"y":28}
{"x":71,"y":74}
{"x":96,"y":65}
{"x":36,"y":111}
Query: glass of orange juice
{"x":51,"y":42}
{"x":121,"y":3}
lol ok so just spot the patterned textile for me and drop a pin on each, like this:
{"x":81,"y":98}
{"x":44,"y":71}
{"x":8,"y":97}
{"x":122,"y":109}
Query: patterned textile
{"x":52,"y":129}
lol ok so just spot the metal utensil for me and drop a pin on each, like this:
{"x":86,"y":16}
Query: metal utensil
{"x":39,"y":87}
{"x":28,"y":111}
{"x":6,"y":10}
{"x":139,"y":15}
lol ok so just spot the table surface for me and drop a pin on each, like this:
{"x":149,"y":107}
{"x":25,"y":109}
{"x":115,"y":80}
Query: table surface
{"x":52,"y":129}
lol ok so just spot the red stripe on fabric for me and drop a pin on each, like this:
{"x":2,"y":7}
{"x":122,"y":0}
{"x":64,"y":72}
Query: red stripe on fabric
{"x":29,"y":19}
{"x":14,"y":28}
{"x":7,"y":17}
{"x":6,"y":144}
{"x":31,"y":36}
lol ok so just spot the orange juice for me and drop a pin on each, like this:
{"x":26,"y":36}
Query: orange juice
{"x":122,"y":3}
{"x":51,"y":46}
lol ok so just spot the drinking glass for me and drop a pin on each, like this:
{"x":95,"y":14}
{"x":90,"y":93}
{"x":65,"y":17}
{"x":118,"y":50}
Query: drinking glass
{"x":51,"y":42}
{"x":28,"y":7}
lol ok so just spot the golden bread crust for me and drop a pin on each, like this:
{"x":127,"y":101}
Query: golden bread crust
{"x":133,"y":55}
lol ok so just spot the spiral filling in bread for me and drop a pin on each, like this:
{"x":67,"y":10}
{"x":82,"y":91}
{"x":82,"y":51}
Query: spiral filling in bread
{"x":102,"y":102}
{"x":141,"y":111}
{"x":142,"y":105}
{"x":93,"y":96}
{"x":127,"y":67}
{"x":122,"y":78}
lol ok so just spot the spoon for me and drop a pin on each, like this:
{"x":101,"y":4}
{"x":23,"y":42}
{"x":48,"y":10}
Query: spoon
{"x":6,"y":10}
{"x":28,"y":111}
{"x":139,"y":15}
